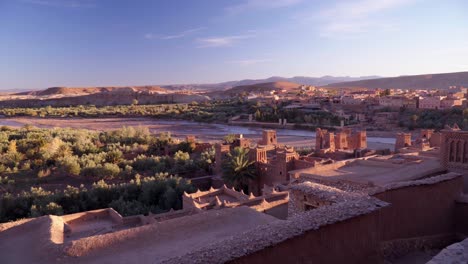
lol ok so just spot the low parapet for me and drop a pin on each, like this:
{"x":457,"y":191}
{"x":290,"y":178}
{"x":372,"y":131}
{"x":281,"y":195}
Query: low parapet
{"x":108,"y":213}
{"x":425,"y":181}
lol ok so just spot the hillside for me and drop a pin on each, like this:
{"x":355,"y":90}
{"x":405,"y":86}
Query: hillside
{"x":74,"y":91}
{"x":98,"y":96}
{"x":253,"y":88}
{"x":424,"y":81}
{"x":263,"y":87}
{"x":315,"y":81}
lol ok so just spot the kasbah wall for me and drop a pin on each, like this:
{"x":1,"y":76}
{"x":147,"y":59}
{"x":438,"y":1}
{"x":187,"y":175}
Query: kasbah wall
{"x":415,"y":213}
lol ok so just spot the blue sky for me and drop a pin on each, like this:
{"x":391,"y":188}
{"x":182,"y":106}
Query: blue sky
{"x":46,"y":43}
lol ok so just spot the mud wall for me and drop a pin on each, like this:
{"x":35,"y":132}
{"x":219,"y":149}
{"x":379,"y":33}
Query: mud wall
{"x":354,"y":240}
{"x":419,"y":215}
{"x":303,"y":164}
{"x":422,"y":210}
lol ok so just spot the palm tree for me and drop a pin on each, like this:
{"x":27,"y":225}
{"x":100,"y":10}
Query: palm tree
{"x":238,"y":170}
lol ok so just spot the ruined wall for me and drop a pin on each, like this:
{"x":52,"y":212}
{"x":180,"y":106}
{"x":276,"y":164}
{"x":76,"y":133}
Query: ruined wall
{"x":421,"y":210}
{"x":402,"y":140}
{"x":303,"y":164}
{"x":351,"y":241}
{"x":107,"y":213}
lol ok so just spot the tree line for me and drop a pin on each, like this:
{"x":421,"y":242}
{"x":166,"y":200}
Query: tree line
{"x":139,"y":196}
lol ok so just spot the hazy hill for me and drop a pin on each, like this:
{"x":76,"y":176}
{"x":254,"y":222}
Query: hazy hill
{"x":315,"y":81}
{"x":253,"y":88}
{"x":73,"y":91}
{"x":263,"y":87}
{"x":98,"y":96}
{"x":424,"y":81}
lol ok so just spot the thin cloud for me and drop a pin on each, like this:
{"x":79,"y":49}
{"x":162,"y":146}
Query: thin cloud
{"x":248,"y":62}
{"x":174,"y":36}
{"x":247,"y":5}
{"x":353,"y":17}
{"x":357,"y":9}
{"x":63,"y":3}
{"x":226,"y":41}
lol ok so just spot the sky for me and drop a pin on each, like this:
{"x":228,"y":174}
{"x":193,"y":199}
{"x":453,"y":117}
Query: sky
{"x":46,"y":43}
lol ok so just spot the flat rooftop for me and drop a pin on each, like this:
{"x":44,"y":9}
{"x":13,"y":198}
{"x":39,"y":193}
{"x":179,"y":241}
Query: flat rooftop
{"x":378,"y":171}
{"x":177,"y":237}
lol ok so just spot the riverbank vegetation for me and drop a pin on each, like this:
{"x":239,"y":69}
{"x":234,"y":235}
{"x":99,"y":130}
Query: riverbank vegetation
{"x":433,"y":119}
{"x":273,"y":113}
{"x":139,"y":196}
{"x":37,"y":165}
{"x":214,"y":111}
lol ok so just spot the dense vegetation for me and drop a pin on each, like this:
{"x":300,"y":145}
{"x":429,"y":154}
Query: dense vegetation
{"x":219,"y":111}
{"x":272,"y":113}
{"x":215,"y":111}
{"x":128,"y":159}
{"x":140,"y":196}
{"x":433,"y":119}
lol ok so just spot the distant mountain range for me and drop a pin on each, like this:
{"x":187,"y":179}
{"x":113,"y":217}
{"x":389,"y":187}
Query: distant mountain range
{"x":315,"y":81}
{"x":423,"y":81}
{"x":253,"y":88}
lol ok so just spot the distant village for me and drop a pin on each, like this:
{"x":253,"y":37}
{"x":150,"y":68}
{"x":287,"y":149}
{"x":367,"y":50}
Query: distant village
{"x":371,"y":108}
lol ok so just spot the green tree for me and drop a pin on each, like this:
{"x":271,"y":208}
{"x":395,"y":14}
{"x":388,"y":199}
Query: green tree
{"x":230,"y":138}
{"x":238,"y":170}
{"x":207,"y":159}
{"x":70,"y":165}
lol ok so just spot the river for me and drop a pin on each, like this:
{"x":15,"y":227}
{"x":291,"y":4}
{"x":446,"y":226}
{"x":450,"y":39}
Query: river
{"x":180,"y":128}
